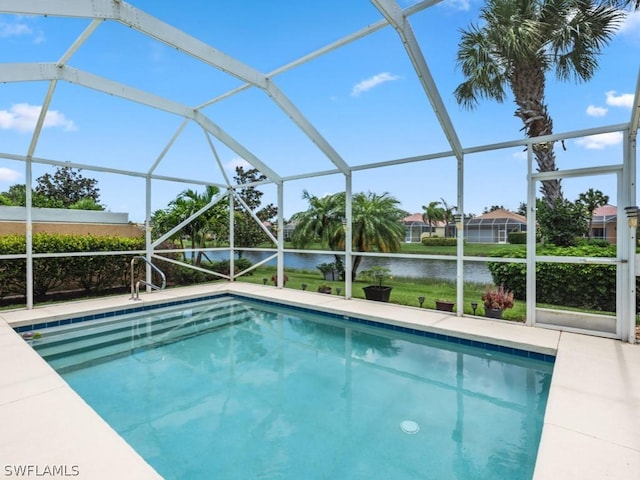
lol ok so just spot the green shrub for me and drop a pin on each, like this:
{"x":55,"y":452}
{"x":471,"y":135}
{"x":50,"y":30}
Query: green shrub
{"x":568,"y":284}
{"x":93,"y":273}
{"x":596,"y":242}
{"x":239,"y":265}
{"x":517,"y":238}
{"x":439,"y":242}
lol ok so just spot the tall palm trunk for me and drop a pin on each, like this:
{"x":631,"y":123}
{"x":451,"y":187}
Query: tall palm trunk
{"x":357,"y":260}
{"x":528,"y":85}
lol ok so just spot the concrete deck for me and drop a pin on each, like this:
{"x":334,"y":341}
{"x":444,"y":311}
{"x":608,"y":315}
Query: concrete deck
{"x":591,"y":429}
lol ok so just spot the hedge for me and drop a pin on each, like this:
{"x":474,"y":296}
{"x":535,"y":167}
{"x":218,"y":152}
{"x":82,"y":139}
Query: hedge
{"x":517,"y":238}
{"x":567,"y":284}
{"x":439,"y":242}
{"x":89,"y":273}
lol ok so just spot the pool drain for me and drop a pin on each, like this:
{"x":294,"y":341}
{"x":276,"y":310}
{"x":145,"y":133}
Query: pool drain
{"x":409,"y":427}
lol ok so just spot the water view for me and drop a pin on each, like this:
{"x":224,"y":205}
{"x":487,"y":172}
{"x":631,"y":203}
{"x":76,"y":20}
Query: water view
{"x":476,"y":272}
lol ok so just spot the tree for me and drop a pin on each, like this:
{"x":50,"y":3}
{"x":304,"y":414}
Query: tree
{"x":319,"y":222}
{"x":432,"y":215}
{"x":493,"y":208}
{"x":591,"y":200}
{"x":86,"y":204}
{"x":562,"y":222}
{"x":16,"y":196}
{"x":67,"y":186}
{"x":376,"y":223}
{"x":447,"y":214}
{"x":247,"y":233}
{"x":518,"y":43}
{"x":522,"y":209}
{"x":199,"y":229}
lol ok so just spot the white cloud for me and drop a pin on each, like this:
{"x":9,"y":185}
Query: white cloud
{"x":600,"y":141}
{"x":622,"y":100}
{"x":372,"y":82}
{"x":14,"y":29}
{"x":631,"y":25}
{"x":23,"y":117}
{"x":461,"y":5}
{"x":19,"y":28}
{"x":8,"y":175}
{"x":594,"y":111}
{"x":237,"y":162}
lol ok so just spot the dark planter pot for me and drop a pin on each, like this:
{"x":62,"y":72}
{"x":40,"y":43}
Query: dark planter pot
{"x":444,"y":306}
{"x":493,"y":312}
{"x":330,"y":276}
{"x":377,"y":293}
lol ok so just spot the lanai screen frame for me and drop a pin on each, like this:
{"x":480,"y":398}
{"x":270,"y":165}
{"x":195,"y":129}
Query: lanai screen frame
{"x":116,"y":10}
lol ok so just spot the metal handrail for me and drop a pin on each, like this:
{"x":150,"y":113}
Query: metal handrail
{"x":135,"y":289}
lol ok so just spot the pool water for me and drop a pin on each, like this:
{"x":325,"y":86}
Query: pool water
{"x":240,"y":389}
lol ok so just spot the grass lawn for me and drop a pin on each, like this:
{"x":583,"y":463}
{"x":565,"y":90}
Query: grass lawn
{"x":405,"y":290}
{"x":471,"y":249}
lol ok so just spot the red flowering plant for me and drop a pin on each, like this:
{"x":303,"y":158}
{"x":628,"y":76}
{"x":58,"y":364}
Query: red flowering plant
{"x":499,"y":298}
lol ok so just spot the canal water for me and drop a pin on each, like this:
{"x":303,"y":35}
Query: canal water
{"x":476,"y":272}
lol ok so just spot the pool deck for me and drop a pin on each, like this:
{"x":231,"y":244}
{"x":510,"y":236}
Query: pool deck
{"x":591,"y":428}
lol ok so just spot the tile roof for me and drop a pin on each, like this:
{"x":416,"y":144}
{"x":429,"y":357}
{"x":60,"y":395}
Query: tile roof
{"x":502,"y":214}
{"x":416,"y":218}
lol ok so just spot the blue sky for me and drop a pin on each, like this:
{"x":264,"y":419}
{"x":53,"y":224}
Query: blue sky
{"x":363,"y":98}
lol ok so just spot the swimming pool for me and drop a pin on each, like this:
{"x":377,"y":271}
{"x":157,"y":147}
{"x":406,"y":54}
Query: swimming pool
{"x":234,"y":388}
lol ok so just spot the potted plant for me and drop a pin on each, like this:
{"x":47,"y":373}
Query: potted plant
{"x":496,"y":300}
{"x":444,"y":305}
{"x":332,"y":271}
{"x":328,"y":270}
{"x":324,"y":288}
{"x":379,"y":292}
{"x":274,"y":279}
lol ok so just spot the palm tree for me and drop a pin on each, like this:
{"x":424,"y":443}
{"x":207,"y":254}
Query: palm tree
{"x":182,"y":207}
{"x":319,"y":221}
{"x":518,"y":43}
{"x":376,"y":223}
{"x":447,"y":214}
{"x":591,"y":200}
{"x":432,"y":215}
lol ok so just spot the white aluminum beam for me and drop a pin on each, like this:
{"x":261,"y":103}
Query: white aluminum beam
{"x":380,"y":24}
{"x":22,"y":72}
{"x":188,"y":220}
{"x":290,"y":109}
{"x":530,"y":275}
{"x":41,"y":118}
{"x":239,"y":199}
{"x":79,"y":42}
{"x":175,"y":38}
{"x":27,"y":72}
{"x":140,"y":21}
{"x":635,"y":111}
{"x":225,"y":138}
{"x":547,"y":138}
{"x":174,"y":137}
{"x":214,"y":152}
{"x":397,"y":18}
{"x":95,"y":168}
{"x":577,"y":172}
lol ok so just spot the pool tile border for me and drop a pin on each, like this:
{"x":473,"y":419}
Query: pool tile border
{"x":422,"y":333}
{"x":398,"y":328}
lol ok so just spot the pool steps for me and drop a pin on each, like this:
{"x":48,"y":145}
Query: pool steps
{"x":98,"y":340}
